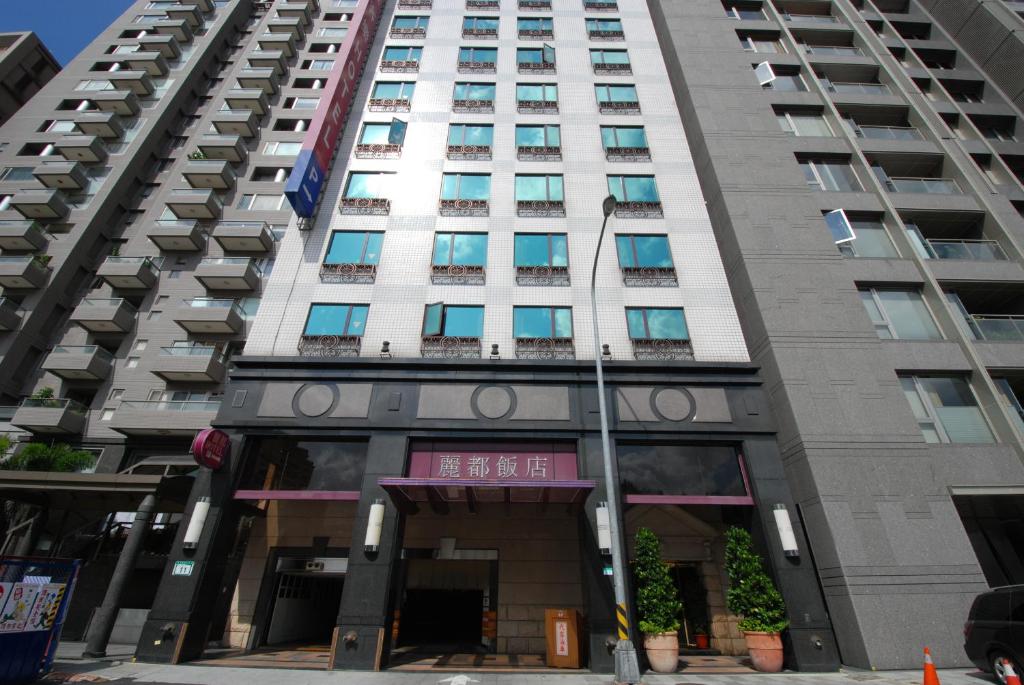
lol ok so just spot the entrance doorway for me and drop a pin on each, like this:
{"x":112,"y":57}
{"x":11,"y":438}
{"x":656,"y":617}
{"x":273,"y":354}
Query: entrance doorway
{"x":689,"y":582}
{"x":444,"y":604}
{"x":305,"y":602}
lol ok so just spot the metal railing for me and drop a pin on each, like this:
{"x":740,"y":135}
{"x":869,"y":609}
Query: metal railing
{"x":889,"y":133}
{"x":861,"y":88}
{"x":998,"y":327}
{"x":832,"y":50}
{"x":977,"y":250}
{"x":54,"y":403}
{"x":812,"y":18}
{"x":189,"y":351}
{"x":106,"y":302}
{"x":934,"y":186}
{"x":142,"y":261}
{"x":82,"y":349}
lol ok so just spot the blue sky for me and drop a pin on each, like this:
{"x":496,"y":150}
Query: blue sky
{"x":66,"y":26}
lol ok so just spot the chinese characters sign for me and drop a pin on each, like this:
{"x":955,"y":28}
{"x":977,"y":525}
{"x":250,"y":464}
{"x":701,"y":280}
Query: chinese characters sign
{"x":516,"y":464}
{"x":28,"y":607}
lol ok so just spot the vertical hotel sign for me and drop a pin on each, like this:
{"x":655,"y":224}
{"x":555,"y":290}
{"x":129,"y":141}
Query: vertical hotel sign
{"x":314,"y":161}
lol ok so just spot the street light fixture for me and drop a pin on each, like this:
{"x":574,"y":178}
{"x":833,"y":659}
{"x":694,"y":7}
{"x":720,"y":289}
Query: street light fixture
{"x":627,"y":670}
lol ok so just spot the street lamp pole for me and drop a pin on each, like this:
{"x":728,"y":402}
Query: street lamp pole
{"x":627,"y":669}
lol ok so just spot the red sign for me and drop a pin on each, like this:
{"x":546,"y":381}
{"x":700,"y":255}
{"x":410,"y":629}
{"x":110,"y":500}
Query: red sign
{"x":211,"y":448}
{"x":495,"y":463}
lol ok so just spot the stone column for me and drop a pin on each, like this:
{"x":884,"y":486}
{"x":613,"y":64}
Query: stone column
{"x":103,"y":620}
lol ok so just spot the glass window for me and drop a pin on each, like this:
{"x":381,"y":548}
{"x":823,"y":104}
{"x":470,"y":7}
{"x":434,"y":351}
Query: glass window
{"x":278,"y":148}
{"x":457,"y":321}
{"x":633,"y":188}
{"x":333,"y":31}
{"x":535,"y":24}
{"x":544,"y":55}
{"x":612,"y":25}
{"x":393,"y":90}
{"x":470,"y":134}
{"x":17,"y":173}
{"x":861,"y":237}
{"x":288,"y":464}
{"x":354,"y":247}
{"x":479,"y":24}
{"x":261,"y":202}
{"x":305,"y":103}
{"x":336,"y":319}
{"x":804,"y":124}
{"x":321,"y":64}
{"x":541,"y":249}
{"x":488,"y":55}
{"x":834,"y":176}
{"x":695,"y":470}
{"x":61,"y":127}
{"x":656,"y":324}
{"x":613,"y":93}
{"x":410,"y":23}
{"x":363,"y":184}
{"x":536,"y":92}
{"x":537,"y":187}
{"x":538,"y":136}
{"x":465,"y":186}
{"x":474,"y":91}
{"x":542,"y":322}
{"x":623,"y":136}
{"x":638,"y":251}
{"x":467,"y":249}
{"x":899,"y":314}
{"x":763,"y":45}
{"x":946,"y":409}
{"x":373,"y":134}
{"x":609,"y":57}
{"x":402,"y":54}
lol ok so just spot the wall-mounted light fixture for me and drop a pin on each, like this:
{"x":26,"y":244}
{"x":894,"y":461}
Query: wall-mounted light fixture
{"x":374,"y":526}
{"x":195,"y":524}
{"x":604,"y":529}
{"x":786,"y":535}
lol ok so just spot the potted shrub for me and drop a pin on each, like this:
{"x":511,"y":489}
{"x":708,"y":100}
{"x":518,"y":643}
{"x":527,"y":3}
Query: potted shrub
{"x":700,"y":636}
{"x":657,"y":603}
{"x":752,"y":596}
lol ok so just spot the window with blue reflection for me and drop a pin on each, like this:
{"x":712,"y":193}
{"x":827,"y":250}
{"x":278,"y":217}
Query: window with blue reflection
{"x":541,"y":249}
{"x":402,"y":54}
{"x":366,"y":185}
{"x":479,"y":24}
{"x":612,"y":93}
{"x":623,"y":136}
{"x":633,"y":188}
{"x":470,"y":134}
{"x":542,"y":322}
{"x":535,"y":24}
{"x":604,"y":25}
{"x":537,"y":92}
{"x":354,"y":247}
{"x":657,"y":324}
{"x":638,"y":251}
{"x":537,"y":187}
{"x":393,"y":90}
{"x":609,"y":57}
{"x":489,"y":55}
{"x":465,"y":186}
{"x":464,"y":321}
{"x":373,"y":134}
{"x":336,"y":319}
{"x":468,"y":249}
{"x":538,"y":136}
{"x":474,"y":91}
{"x":530,"y":56}
{"x":410,"y":22}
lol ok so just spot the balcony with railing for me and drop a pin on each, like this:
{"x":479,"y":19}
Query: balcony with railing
{"x":164,"y":417}
{"x":129,"y":273}
{"x":649,"y":276}
{"x":209,"y":315}
{"x":458,"y":274}
{"x":182,"y":235}
{"x":888,"y":133}
{"x":476,"y":67}
{"x":378,"y":151}
{"x":539,"y":153}
{"x":450,"y":347}
{"x":932,"y":186}
{"x":389,"y":104}
{"x":540,"y":208}
{"x":600,"y":6}
{"x":243,"y":236}
{"x":647,"y":349}
{"x":535,"y":5}
{"x":542,"y":275}
{"x":79,"y":362}
{"x":105,"y":315}
{"x":50,"y":415}
{"x":994,"y":318}
{"x":857,"y":88}
{"x":474,"y":152}
{"x":545,"y":348}
{"x":822,"y":19}
{"x":347,"y":272}
{"x":189,"y":363}
{"x":28,"y":272}
{"x":18,"y":235}
{"x":228,"y":273}
{"x":399,"y":66}
{"x":370,"y":206}
{"x":627,"y":154}
{"x":463,"y":207}
{"x":487,"y":5}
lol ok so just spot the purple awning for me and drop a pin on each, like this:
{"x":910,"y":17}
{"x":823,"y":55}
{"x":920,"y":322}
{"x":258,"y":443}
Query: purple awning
{"x":407,"y":493}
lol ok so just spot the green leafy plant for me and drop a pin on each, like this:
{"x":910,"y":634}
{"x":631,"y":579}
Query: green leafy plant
{"x":45,"y":393}
{"x":38,"y":456}
{"x":752,"y":594}
{"x":198,"y":154}
{"x":657,"y":600}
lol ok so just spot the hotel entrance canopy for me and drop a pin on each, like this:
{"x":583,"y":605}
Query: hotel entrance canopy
{"x":408,"y":493}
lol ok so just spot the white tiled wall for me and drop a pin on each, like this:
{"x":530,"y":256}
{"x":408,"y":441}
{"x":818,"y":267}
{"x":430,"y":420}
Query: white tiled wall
{"x":403,"y":285}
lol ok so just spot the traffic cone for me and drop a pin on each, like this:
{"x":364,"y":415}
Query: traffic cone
{"x":931,"y":676}
{"x":1011,"y":676}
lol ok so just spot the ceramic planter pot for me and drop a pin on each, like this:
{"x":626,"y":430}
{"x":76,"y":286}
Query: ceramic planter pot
{"x":765,"y":651}
{"x":702,"y":641}
{"x":662,"y":651}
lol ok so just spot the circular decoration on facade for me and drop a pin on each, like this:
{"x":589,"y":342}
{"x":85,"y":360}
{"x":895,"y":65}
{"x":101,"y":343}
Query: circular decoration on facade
{"x":672,"y":404}
{"x":315,"y":400}
{"x":493,"y":401}
{"x":211,"y":447}
{"x":457,"y":270}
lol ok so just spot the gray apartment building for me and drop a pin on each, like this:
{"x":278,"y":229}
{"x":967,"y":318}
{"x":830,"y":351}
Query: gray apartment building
{"x":345,"y":245}
{"x":25,"y":67}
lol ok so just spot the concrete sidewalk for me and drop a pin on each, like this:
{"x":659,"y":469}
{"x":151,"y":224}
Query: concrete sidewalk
{"x":118,"y":667}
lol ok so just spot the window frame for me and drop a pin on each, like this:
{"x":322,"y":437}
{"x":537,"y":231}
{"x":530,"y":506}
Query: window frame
{"x":367,"y":236}
{"x":350,"y":307}
{"x":551,"y":310}
{"x":443,"y":320}
{"x":647,"y":328}
{"x":551,"y":250}
{"x":458,"y":185}
{"x":453,"y":237}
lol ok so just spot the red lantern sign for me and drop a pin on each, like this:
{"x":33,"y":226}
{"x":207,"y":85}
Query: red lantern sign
{"x":211,"y":447}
